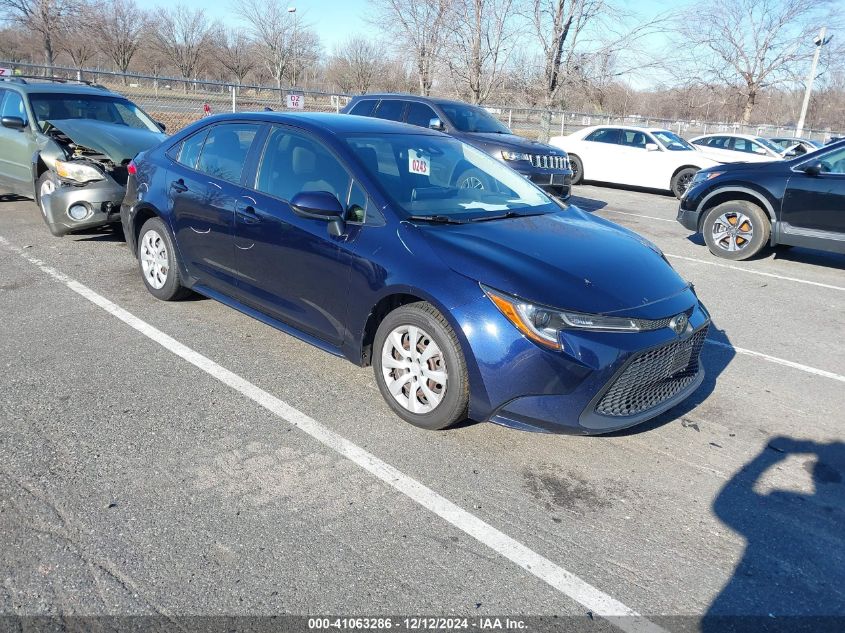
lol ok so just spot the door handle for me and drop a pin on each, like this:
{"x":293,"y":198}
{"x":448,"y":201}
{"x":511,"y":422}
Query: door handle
{"x":179,"y":186}
{"x":248,"y":214}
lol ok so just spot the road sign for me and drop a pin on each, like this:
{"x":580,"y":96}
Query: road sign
{"x":296,"y":102}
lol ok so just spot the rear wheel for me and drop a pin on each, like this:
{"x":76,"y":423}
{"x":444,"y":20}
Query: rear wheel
{"x":419,"y":367}
{"x":736,"y":230}
{"x":157,"y":261}
{"x":577,"y":169}
{"x":682,"y":180}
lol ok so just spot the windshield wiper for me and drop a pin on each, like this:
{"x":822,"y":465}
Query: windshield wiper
{"x":434,"y":219}
{"x":503,"y":216}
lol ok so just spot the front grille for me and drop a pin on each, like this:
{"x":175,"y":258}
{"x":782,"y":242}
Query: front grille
{"x":545,"y":161}
{"x":653,"y":377}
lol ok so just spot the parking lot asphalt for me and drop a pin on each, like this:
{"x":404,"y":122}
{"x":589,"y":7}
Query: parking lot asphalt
{"x":134,"y":481}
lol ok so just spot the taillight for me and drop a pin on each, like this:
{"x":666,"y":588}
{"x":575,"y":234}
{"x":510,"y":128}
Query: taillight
{"x":131,"y":168}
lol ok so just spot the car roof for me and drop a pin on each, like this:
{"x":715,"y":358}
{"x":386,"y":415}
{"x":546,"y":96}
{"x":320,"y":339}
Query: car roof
{"x":413,"y":97}
{"x":635,"y":128}
{"x":732,"y":134}
{"x":48,"y":87}
{"x":329,"y":122}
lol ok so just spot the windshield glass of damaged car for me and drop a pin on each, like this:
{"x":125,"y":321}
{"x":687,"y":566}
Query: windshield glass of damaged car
{"x":60,"y":107}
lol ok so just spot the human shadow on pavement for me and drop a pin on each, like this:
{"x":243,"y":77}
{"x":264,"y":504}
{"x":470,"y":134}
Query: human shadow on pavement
{"x":792,"y":573}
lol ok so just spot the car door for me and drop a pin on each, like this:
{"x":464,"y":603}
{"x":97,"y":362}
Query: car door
{"x":601,"y":156}
{"x":289,"y":267}
{"x":17,"y":146}
{"x":204,"y":188}
{"x":814,"y":204}
{"x":636,"y":165}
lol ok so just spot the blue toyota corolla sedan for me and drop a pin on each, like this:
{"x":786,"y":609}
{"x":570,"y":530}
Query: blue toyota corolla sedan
{"x":488,"y":302}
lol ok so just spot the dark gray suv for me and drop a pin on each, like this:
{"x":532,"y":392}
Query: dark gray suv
{"x":544,"y":165}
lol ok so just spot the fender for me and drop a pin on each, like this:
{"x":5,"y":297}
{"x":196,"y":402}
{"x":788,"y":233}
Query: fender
{"x":751,"y":192}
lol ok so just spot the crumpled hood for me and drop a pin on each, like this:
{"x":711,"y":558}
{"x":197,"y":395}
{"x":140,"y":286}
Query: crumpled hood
{"x":568,"y":260}
{"x":118,"y":142}
{"x":510,"y":142}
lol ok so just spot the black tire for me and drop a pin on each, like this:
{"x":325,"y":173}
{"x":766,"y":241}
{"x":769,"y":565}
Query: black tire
{"x":473,"y":178}
{"x":171,"y":288}
{"x":682,"y":180}
{"x":742,"y":229}
{"x":577,"y":169}
{"x":433,"y":327}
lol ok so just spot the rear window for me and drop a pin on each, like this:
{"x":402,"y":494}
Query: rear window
{"x":364,"y":107}
{"x":390,"y":109}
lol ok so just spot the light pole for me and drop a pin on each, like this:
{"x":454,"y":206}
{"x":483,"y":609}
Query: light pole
{"x":820,"y":41}
{"x":292,"y":11}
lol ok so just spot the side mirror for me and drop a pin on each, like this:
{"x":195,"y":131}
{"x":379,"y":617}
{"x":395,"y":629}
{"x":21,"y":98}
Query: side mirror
{"x":813,"y":168}
{"x":13,"y":122}
{"x":436,"y":124}
{"x":161,"y":126}
{"x":320,"y":205}
{"x":652,"y":147}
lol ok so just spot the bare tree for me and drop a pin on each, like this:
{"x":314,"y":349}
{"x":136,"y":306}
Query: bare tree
{"x":77,"y":36}
{"x":43,"y":18}
{"x":120,"y":27}
{"x":235,"y":53}
{"x":183,"y":37}
{"x":479,"y":36}
{"x":271,"y":26}
{"x":419,"y":27}
{"x":749,"y":44}
{"x":355,"y":64}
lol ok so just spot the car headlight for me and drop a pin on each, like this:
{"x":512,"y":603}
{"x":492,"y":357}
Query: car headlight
{"x":515,"y":155}
{"x":78,"y":172}
{"x":703,"y":176}
{"x":543,"y":324}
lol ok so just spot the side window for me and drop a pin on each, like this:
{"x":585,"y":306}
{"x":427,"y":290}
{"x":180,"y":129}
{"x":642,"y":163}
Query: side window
{"x":13,"y":105}
{"x":604,"y":135}
{"x":364,"y":107}
{"x":834,"y":163}
{"x":293,"y":162}
{"x":224,"y":152}
{"x":419,"y":114}
{"x":390,"y":109}
{"x":360,"y":210}
{"x":189,"y":150}
{"x":633,"y":138}
{"x":719,"y":142}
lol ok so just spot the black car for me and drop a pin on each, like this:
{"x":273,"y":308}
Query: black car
{"x":544,"y":165}
{"x":742,"y":207}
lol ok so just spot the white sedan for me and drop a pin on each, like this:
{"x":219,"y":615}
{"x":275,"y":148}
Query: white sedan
{"x":642,"y":157}
{"x":737,"y":148}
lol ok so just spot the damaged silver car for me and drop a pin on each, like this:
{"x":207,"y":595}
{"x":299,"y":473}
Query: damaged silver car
{"x":67,"y":146}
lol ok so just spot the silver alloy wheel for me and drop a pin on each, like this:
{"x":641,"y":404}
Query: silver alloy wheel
{"x":47,"y":187}
{"x":472,"y":182}
{"x":733,"y":231}
{"x":414,"y":369}
{"x":154,"y":259}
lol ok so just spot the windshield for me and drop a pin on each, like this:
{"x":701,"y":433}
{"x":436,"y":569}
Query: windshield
{"x":672,"y":141}
{"x":467,"y":118}
{"x":56,"y":107}
{"x":768,"y":144}
{"x":440,"y":176}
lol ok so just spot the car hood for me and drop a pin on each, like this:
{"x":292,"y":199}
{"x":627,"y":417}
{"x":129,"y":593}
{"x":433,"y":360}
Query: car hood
{"x":510,"y":142}
{"x":568,"y":260}
{"x":118,"y":142}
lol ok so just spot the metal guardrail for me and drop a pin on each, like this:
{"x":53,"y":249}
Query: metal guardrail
{"x":176,"y":102}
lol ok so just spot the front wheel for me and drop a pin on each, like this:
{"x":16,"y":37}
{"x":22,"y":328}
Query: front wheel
{"x":577,"y":169}
{"x":736,"y":230}
{"x":420,"y":368}
{"x":682,"y":180}
{"x":157,"y":261}
{"x":473,"y":179}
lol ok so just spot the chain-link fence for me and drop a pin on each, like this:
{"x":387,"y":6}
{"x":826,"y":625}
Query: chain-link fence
{"x":178,"y":102}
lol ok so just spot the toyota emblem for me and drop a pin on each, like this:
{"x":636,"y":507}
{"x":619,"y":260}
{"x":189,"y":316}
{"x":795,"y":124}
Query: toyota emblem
{"x":679,"y":323}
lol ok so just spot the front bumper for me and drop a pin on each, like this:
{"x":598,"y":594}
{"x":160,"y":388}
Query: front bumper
{"x":689,"y":218}
{"x":600,"y":382}
{"x":557,"y":182}
{"x":101,"y":198}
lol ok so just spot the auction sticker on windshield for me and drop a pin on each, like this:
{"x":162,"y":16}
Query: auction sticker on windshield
{"x":418,"y":163}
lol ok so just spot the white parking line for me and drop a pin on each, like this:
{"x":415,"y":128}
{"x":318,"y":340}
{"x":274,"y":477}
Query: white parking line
{"x":637,"y":215}
{"x":779,"y":361}
{"x":744,"y":269}
{"x":567,"y":583}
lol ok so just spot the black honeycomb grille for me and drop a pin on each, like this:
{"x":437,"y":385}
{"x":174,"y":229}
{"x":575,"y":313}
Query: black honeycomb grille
{"x":654,"y":377}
